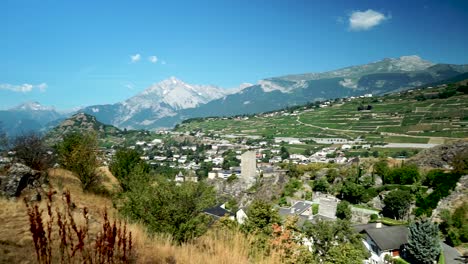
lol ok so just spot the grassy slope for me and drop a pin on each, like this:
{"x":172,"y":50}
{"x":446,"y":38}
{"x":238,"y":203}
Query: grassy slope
{"x":16,"y":243}
{"x":401,"y":115}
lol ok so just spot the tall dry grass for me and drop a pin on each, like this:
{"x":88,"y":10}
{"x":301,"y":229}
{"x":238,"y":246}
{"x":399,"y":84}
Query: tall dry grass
{"x":217,"y":246}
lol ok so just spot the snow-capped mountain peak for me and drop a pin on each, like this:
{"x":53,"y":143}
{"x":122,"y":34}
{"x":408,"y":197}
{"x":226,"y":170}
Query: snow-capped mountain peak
{"x":33,"y":106}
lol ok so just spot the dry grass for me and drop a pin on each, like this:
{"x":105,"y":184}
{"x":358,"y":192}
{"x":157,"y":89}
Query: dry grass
{"x":16,"y":245}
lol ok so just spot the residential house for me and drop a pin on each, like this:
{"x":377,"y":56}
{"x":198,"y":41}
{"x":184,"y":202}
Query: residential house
{"x":383,"y":240}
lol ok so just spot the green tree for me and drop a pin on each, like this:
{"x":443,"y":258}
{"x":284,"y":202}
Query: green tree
{"x":397,"y":204}
{"x":77,"y":153}
{"x":123,"y":162}
{"x":261,"y":216}
{"x":321,"y":185}
{"x":423,"y":242}
{"x":407,"y":174}
{"x":165,"y":207}
{"x":335,"y":242}
{"x":352,"y":192}
{"x":343,"y":210}
{"x":381,"y":168}
{"x":284,"y":153}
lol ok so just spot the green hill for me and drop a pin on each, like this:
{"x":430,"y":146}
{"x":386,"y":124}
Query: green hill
{"x":416,"y":116}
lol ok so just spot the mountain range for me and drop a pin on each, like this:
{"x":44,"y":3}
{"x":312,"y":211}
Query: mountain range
{"x":168,"y":102}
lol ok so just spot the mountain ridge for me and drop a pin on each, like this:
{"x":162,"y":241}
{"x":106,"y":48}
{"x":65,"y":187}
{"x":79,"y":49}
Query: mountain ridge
{"x":168,"y":102}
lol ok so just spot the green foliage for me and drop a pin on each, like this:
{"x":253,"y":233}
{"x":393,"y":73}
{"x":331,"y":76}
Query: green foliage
{"x":261,"y":216}
{"x":291,"y":187}
{"x":443,"y":184}
{"x":381,"y":168}
{"x":343,"y":210}
{"x":284,"y":153}
{"x":315,"y":209}
{"x":165,"y":207}
{"x":397,"y":204}
{"x":77,"y":153}
{"x":455,"y":226}
{"x":352,"y":192}
{"x":230,"y":160}
{"x":321,"y":185}
{"x":335,"y":242}
{"x":123,"y":162}
{"x":374,"y":217}
{"x":232,"y":178}
{"x":407,"y":174}
{"x":423,"y":242}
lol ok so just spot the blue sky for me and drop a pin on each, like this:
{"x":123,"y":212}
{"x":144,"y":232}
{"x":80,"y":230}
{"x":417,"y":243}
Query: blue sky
{"x":78,"y":53}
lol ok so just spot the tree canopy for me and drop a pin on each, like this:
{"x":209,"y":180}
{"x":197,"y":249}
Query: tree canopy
{"x":423,"y":242}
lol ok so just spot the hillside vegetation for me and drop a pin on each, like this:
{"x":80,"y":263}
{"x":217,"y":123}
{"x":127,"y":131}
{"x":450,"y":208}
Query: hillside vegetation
{"x":430,"y":115}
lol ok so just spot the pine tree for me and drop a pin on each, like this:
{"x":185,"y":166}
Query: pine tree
{"x":423,"y":242}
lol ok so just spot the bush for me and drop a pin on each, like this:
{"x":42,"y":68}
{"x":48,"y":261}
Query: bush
{"x":165,"y":207}
{"x":31,"y":150}
{"x":77,"y":153}
{"x":123,"y":162}
{"x":343,"y":210}
{"x":408,"y":174}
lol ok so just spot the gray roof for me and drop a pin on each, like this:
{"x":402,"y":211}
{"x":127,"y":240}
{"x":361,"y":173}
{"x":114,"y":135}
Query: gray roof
{"x":300,"y":207}
{"x":386,"y":238}
{"x":361,"y":227}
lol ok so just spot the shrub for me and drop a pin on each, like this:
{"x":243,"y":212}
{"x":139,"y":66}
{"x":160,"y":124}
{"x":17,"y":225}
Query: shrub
{"x":165,"y":207}
{"x":31,"y":150}
{"x":77,"y":153}
{"x":343,"y":210}
{"x":123,"y":162}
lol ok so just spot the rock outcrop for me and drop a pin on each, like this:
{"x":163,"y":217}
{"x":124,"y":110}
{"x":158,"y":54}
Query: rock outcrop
{"x":455,"y":199}
{"x":439,"y":156}
{"x":17,"y":178}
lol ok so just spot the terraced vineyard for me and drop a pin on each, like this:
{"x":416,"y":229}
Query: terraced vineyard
{"x":397,"y":118}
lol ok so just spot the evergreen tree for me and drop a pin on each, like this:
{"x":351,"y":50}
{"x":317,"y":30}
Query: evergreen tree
{"x":423,"y":242}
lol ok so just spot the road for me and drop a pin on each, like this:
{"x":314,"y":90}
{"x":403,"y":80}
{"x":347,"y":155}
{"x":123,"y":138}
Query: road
{"x":452,"y":256}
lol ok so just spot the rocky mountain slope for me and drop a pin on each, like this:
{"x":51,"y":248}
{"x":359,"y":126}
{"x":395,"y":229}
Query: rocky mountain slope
{"x":161,"y":100}
{"x":81,"y":123}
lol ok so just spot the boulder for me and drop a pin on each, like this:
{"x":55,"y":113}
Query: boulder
{"x":18,"y":177}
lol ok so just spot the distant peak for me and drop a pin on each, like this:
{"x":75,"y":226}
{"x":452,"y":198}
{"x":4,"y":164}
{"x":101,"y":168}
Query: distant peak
{"x":410,"y":57}
{"x":174,"y":80}
{"x":32,"y":106}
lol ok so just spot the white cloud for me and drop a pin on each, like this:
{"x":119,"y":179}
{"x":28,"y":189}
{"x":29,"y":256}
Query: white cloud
{"x":365,"y":20}
{"x":135,"y":58}
{"x":129,"y":86}
{"x":163,"y":62}
{"x":153,"y":59}
{"x":23,"y":88}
